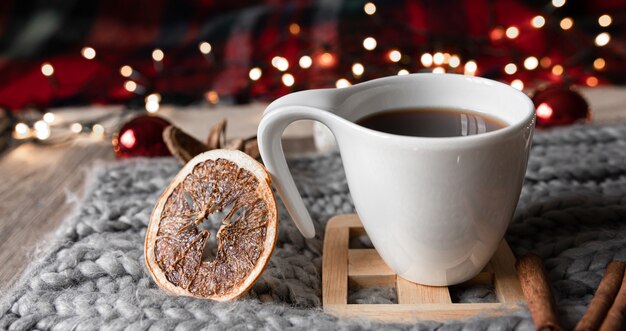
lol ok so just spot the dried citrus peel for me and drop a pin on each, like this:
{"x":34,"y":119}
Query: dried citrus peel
{"x":175,"y":246}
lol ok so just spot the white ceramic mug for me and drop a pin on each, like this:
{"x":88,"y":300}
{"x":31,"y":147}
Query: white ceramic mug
{"x":435,"y":209}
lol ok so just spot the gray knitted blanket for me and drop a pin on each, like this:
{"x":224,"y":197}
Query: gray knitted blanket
{"x":92,"y":276}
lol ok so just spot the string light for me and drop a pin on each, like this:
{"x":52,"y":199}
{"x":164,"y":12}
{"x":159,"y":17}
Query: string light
{"x":369,"y":8}
{"x":446,"y":57}
{"x":538,"y":21}
{"x":47,"y":69}
{"x":126,"y":71}
{"x":48,"y":117}
{"x":531,"y":63}
{"x":602,"y":39}
{"x":358,"y":69}
{"x":42,"y":130}
{"x":403,"y":72}
{"x":326,"y":60}
{"x":591,"y":81}
{"x":496,"y":33}
{"x":544,"y":111}
{"x":395,"y":55}
{"x":439,"y":70}
{"x":426,"y":59}
{"x":152,"y":106}
{"x":212,"y":97}
{"x":21,"y":131}
{"x":599,"y":63}
{"x":255,"y":73}
{"x":510,"y":68}
{"x":438,"y":58}
{"x":305,"y":62}
{"x":455,"y":61}
{"x":97,"y":130}
{"x":605,"y":20}
{"x":205,"y":48}
{"x":470,"y":68}
{"x":88,"y":53}
{"x":280,"y":63}
{"x":153,"y":97}
{"x":130,"y":86}
{"x":76,"y":128}
{"x":158,"y":55}
{"x":288,"y":80}
{"x":512,"y":32}
{"x":558,"y":3}
{"x":294,"y":29}
{"x":518,"y":84}
{"x":557,"y":70}
{"x":342,"y":82}
{"x":369,"y":43}
{"x":566,"y":23}
{"x":545,"y":62}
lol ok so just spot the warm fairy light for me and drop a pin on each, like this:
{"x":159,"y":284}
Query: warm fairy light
{"x":403,"y":72}
{"x":305,"y":62}
{"x":326,"y":60}
{"x":127,"y":139}
{"x":280,"y":63}
{"x":158,"y":55}
{"x":205,"y":47}
{"x":255,"y":73}
{"x":21,"y":131}
{"x":48,"y":117}
{"x":294,"y":29}
{"x":212,"y":97}
{"x":152,"y":106}
{"x":605,"y":20}
{"x":599,"y":63}
{"x":557,"y":70}
{"x":470,"y":68}
{"x":153,"y":97}
{"x":512,"y":32}
{"x":518,"y":84}
{"x":496,"y":33}
{"x":130,"y":86}
{"x":538,"y":21}
{"x":98,"y":130}
{"x":47,"y":69}
{"x":342,"y":82}
{"x":544,"y":111}
{"x":76,"y":128}
{"x":602,"y":39}
{"x":439,"y":70}
{"x":510,"y":68}
{"x":446,"y":57}
{"x":426,"y":59}
{"x":558,"y":3}
{"x":369,"y":43}
{"x":545,"y":62}
{"x":566,"y":23}
{"x":591,"y":81}
{"x":395,"y":55}
{"x":369,"y":8}
{"x":42,"y":130}
{"x":288,"y":79}
{"x":126,"y":71}
{"x":438,"y":58}
{"x":455,"y":61}
{"x":88,"y":53}
{"x":531,"y":63}
{"x":358,"y":69}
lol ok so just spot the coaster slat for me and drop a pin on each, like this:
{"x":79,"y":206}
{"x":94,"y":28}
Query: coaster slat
{"x":342,"y":266}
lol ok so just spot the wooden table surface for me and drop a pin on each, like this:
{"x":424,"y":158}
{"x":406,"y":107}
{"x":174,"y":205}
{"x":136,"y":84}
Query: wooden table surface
{"x":35,"y":179}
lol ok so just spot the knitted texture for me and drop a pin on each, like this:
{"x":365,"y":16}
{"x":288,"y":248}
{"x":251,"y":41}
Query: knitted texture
{"x":572,"y":213}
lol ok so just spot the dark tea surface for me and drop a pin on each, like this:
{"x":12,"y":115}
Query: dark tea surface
{"x":431,"y":122}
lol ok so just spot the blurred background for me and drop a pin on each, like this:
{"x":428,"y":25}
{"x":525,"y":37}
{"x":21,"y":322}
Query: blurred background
{"x":146,"y":54}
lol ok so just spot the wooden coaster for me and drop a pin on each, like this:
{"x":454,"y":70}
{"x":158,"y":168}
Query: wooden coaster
{"x":343,"y":266}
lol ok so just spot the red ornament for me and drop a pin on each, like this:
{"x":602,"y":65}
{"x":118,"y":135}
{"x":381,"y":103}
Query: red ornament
{"x":141,"y":136}
{"x":559,"y":105}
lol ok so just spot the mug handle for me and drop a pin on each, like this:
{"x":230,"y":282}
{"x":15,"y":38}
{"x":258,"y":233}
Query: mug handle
{"x":305,"y":105}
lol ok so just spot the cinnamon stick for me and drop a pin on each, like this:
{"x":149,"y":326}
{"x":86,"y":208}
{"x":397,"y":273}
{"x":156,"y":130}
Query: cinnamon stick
{"x":603,"y":298}
{"x":537,"y":292}
{"x":616,"y":317}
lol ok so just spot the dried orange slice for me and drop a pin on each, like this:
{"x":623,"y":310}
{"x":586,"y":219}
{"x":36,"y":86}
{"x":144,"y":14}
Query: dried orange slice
{"x":224,"y":183}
